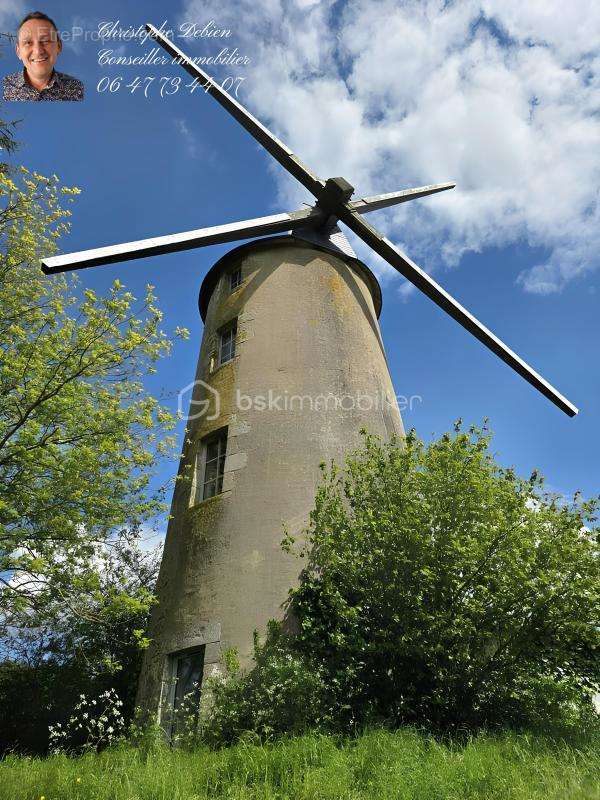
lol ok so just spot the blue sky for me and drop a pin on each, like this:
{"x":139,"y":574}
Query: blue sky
{"x":390,"y":95}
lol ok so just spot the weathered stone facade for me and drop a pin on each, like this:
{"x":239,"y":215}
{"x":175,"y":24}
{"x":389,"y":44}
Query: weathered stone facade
{"x":307,"y":331}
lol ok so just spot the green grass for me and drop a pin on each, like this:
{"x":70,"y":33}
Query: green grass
{"x":379,"y":765}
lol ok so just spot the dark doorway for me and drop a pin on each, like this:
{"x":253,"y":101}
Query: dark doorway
{"x":187,"y":670}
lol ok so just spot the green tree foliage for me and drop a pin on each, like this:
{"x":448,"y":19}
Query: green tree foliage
{"x":284,"y":693}
{"x":440,"y":589}
{"x":8,"y":143}
{"x":79,"y":442}
{"x":79,"y":436}
{"x":53,"y":656}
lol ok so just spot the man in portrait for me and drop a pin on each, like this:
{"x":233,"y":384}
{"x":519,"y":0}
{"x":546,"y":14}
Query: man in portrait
{"x":38,"y":47}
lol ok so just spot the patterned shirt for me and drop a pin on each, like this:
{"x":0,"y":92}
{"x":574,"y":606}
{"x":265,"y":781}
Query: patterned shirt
{"x":61,"y":87}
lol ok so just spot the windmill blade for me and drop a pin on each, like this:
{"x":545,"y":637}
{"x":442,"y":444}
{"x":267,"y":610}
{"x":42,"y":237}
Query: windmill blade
{"x":219,"y":234}
{"x":366,"y":204}
{"x":434,"y":291}
{"x":263,"y":135}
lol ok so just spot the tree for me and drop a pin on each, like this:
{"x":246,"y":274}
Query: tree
{"x":79,"y":436}
{"x":54,"y":655}
{"x":8,"y":143}
{"x":79,"y":442}
{"x":441,"y":588}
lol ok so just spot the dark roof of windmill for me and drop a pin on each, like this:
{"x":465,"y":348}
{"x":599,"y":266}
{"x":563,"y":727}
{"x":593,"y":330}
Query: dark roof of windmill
{"x":212,"y":277}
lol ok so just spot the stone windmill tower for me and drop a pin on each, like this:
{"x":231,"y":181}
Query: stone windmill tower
{"x":278,"y":391}
{"x":291,"y":366}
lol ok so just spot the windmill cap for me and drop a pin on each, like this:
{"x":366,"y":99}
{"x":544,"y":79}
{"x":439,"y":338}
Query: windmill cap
{"x":212,"y":277}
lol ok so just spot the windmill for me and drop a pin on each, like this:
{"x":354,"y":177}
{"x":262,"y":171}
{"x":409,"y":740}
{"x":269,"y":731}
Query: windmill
{"x":223,"y":574}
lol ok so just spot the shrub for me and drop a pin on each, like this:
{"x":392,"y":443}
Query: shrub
{"x":95,"y":724}
{"x":284,"y":693}
{"x":441,"y":590}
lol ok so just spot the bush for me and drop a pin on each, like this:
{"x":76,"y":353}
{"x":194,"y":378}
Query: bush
{"x":441,"y":590}
{"x":95,"y":724}
{"x":283,"y":693}
{"x":54,"y":656}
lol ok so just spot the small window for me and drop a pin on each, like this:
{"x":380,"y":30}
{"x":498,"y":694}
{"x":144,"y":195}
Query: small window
{"x":213,"y":465}
{"x":235,"y":278}
{"x":227,"y":342}
{"x":186,"y":671}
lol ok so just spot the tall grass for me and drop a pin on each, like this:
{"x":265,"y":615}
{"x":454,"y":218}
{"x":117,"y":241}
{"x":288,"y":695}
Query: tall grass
{"x":379,"y":765}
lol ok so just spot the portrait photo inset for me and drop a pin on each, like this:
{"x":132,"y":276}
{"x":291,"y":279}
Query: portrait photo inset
{"x":38,"y":47}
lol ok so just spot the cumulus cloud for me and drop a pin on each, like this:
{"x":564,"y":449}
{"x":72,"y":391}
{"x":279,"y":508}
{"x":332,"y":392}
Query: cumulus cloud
{"x":501,"y":96}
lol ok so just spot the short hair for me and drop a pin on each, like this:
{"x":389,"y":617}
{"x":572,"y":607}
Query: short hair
{"x":38,"y":15}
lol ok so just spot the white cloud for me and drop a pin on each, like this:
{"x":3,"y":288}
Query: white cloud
{"x":569,"y":28}
{"x":499,"y":95}
{"x":74,"y":36}
{"x":11,"y":11}
{"x":188,"y":137}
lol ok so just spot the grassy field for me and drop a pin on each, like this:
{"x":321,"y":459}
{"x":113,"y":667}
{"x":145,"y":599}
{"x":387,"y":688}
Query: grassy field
{"x":379,"y":765}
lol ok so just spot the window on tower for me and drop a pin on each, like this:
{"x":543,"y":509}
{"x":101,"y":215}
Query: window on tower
{"x":227,"y":342}
{"x":211,"y":465}
{"x":235,"y":278}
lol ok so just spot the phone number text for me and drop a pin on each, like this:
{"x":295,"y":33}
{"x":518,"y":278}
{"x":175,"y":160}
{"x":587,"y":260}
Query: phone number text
{"x":164,"y":86}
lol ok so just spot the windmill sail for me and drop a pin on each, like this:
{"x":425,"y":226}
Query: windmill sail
{"x":203,"y":237}
{"x":263,"y":135}
{"x":445,"y":301}
{"x":333,"y":204}
{"x":347,"y":212}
